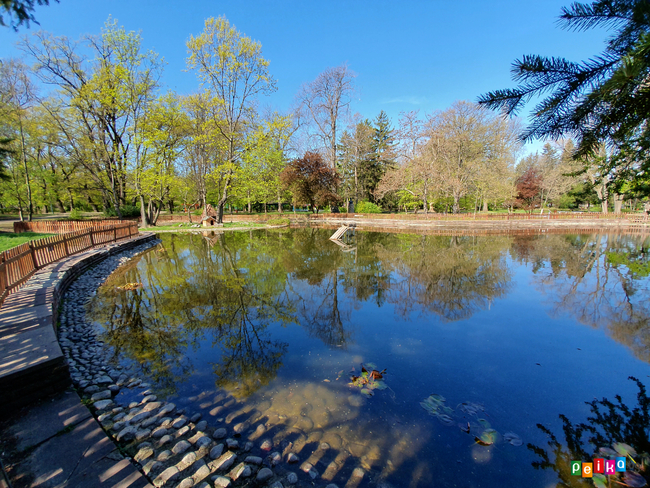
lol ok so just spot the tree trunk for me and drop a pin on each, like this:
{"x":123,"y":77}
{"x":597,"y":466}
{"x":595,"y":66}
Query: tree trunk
{"x":485,"y":206}
{"x":143,"y":213}
{"x":456,"y":207}
{"x":425,"y":206}
{"x":618,"y":203}
{"x":279,"y":203}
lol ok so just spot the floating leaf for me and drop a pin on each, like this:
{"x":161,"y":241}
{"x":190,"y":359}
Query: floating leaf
{"x":624,"y":449}
{"x":512,"y":438}
{"x":366,"y":391}
{"x":481,"y":442}
{"x":600,"y":480}
{"x":464,"y":427}
{"x":130,"y":286}
{"x":370,"y":365}
{"x":635,"y":480}
{"x":470,"y":408}
{"x":484,"y":423}
{"x":445,"y":419}
{"x":380,"y":385}
{"x":489,"y":437}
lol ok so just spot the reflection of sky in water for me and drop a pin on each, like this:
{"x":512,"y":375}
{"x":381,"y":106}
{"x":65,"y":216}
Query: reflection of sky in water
{"x":490,"y":320}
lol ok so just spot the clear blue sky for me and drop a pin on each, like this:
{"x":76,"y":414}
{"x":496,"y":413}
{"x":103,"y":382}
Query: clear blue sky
{"x":408,"y":55}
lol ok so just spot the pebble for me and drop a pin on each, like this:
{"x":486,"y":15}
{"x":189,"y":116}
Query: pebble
{"x":165,"y":455}
{"x":101,"y":395}
{"x":186,"y":483}
{"x":267,"y":445}
{"x":221,"y":482}
{"x":224,"y":462}
{"x":195,"y":418}
{"x":201,"y":470}
{"x":181,"y":447}
{"x":253,"y":460}
{"x":144,"y":453}
{"x":220,"y":433}
{"x":159,"y":433}
{"x":324,"y":446}
{"x":292,"y":478}
{"x":202,"y":425}
{"x":179,"y":422}
{"x":277,"y":484}
{"x":187,"y":460}
{"x":166,"y":439}
{"x":232,"y":444}
{"x":264,"y":474}
{"x":103,"y":404}
{"x":170,"y":474}
{"x":274,"y":458}
{"x":292,"y":458}
{"x":217,"y":451}
{"x":240,"y":471}
{"x":204,"y":441}
{"x":127,"y":434}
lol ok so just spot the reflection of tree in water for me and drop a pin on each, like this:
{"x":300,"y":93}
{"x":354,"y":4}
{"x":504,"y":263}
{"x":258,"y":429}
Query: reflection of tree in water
{"x":452,"y":277}
{"x":190,"y":290}
{"x":609,"y":423}
{"x":312,"y":258}
{"x":599,"y":279}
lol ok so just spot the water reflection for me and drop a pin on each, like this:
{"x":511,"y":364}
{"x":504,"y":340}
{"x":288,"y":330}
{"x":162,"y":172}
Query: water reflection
{"x":599,"y":279}
{"x":261,"y":328}
{"x":609,"y":432}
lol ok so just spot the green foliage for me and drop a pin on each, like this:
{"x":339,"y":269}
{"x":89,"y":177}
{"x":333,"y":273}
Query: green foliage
{"x":75,"y":215}
{"x":367,"y":207}
{"x":128,"y":211}
{"x":566,"y":201}
{"x":603,"y":100}
{"x":19,"y":12}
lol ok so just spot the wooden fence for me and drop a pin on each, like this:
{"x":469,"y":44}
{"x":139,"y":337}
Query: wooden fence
{"x":481,"y":216}
{"x":19,"y":263}
{"x":61,"y":226}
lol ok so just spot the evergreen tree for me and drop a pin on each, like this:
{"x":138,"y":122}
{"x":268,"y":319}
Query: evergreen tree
{"x":381,"y":157}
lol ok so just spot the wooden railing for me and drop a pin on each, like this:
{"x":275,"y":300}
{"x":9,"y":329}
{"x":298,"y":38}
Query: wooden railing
{"x":481,"y":216}
{"x":19,"y":263}
{"x":61,"y":226}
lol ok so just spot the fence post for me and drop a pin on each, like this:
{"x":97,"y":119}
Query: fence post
{"x":92,"y":237}
{"x":65,"y":245}
{"x":3,"y":270}
{"x":34,"y":261}
{"x":114,"y":234}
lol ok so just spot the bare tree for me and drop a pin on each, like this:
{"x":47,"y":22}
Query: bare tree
{"x":325,"y":101}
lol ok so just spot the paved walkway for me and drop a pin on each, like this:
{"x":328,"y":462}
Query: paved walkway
{"x":53,"y":438}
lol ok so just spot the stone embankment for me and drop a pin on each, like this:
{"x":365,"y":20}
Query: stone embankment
{"x":171,"y":448}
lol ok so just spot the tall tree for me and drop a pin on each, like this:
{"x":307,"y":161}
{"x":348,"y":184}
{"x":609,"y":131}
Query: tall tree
{"x":382,"y":155}
{"x":102,"y":99}
{"x":326,"y":101}
{"x":603,"y":100}
{"x":17,"y":98}
{"x":231,"y":68}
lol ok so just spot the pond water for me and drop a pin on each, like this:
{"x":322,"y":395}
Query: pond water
{"x":507,"y":332}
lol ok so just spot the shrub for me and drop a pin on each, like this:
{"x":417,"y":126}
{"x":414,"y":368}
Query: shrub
{"x":367,"y":207}
{"x":127,"y":211}
{"x":75,"y":215}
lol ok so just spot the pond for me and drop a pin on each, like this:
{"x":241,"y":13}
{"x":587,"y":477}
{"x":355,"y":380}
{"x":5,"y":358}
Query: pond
{"x":481,"y":339}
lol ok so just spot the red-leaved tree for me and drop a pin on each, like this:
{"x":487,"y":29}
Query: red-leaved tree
{"x":311,"y":181}
{"x":528,"y":189}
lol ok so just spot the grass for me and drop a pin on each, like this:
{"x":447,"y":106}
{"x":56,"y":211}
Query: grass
{"x":10,"y":239}
{"x":226,"y":225}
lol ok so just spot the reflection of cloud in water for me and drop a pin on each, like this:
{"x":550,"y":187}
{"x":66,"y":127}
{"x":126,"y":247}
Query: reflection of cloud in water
{"x":329,"y":427}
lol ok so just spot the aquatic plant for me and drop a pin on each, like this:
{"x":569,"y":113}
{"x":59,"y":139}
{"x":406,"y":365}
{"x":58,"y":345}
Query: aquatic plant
{"x":369,"y":380}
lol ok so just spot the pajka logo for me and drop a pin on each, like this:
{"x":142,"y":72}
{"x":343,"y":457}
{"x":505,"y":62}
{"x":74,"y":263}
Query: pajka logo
{"x":599,"y":466}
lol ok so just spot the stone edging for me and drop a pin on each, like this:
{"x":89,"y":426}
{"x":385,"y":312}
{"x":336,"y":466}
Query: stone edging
{"x":32,"y":364}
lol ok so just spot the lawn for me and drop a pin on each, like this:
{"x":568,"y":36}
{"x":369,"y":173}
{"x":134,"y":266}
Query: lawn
{"x":10,"y":239}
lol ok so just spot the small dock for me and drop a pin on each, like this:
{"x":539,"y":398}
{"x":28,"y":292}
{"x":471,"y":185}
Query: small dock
{"x":340,"y":232}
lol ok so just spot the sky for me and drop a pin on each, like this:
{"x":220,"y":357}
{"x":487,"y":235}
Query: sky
{"x":408,"y":55}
